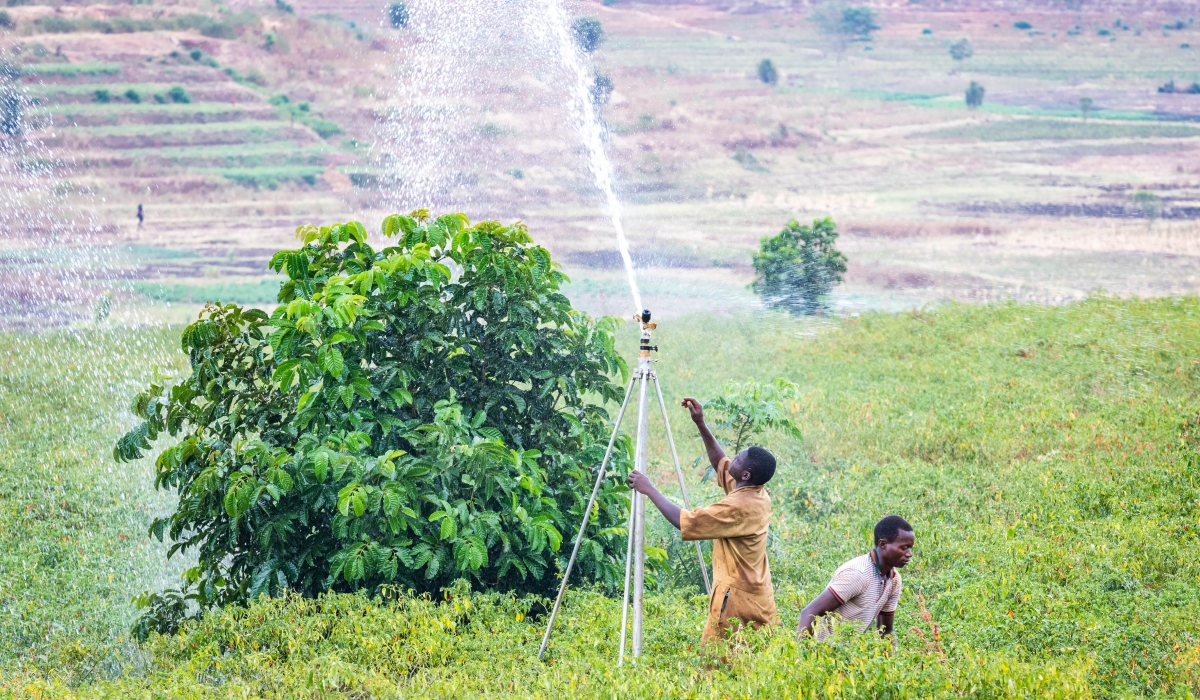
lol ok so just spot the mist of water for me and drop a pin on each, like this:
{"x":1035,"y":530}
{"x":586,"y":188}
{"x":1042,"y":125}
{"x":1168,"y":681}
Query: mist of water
{"x":438,"y":146}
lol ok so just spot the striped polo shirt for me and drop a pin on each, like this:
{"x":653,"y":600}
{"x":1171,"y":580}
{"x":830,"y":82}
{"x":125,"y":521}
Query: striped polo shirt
{"x":863,"y":592}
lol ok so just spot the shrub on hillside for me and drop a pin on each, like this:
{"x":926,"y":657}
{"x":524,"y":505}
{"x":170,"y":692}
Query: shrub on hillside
{"x":398,"y":15}
{"x":961,"y":50}
{"x":407,"y":416}
{"x":974,"y":95}
{"x":589,"y":33}
{"x":845,"y":23}
{"x":798,"y":268}
{"x":767,"y":72}
{"x":178,"y":94}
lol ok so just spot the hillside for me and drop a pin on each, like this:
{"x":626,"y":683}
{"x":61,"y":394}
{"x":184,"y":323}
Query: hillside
{"x":291,"y":115}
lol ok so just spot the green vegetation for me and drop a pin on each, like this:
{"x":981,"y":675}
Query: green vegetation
{"x":974,"y":95}
{"x":1048,"y":457}
{"x":961,"y":50}
{"x":1022,"y":25}
{"x":179,"y":95}
{"x":1150,"y":203}
{"x":588,"y":32}
{"x":71,"y":70}
{"x":261,"y":292}
{"x":226,"y":28}
{"x":398,"y":15}
{"x":767,"y":72}
{"x":391,"y":424}
{"x":1062,"y":130}
{"x":845,"y":23}
{"x":796,"y":269}
{"x":269,"y":177}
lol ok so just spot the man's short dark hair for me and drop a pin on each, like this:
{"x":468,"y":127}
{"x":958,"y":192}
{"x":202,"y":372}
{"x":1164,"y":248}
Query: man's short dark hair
{"x":762,"y":465}
{"x":889,"y":528}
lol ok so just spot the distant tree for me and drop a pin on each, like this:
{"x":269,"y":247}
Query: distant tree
{"x":6,"y":21}
{"x":102,"y":96}
{"x":398,"y":14}
{"x":602,"y":89}
{"x":178,"y":94}
{"x":283,"y":6}
{"x":1150,"y":203}
{"x":11,"y":110}
{"x":1085,"y":106}
{"x":845,"y":23}
{"x":589,"y":33}
{"x":767,"y":72}
{"x":974,"y":95}
{"x":797,"y":269}
{"x":961,"y":50}
{"x":133,"y":96}
{"x":1022,"y":25}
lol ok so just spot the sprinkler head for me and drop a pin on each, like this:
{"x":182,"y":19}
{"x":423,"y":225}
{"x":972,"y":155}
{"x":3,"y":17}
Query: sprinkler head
{"x":646,"y":316}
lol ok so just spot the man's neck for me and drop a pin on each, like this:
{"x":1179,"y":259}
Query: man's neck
{"x":884,"y":569}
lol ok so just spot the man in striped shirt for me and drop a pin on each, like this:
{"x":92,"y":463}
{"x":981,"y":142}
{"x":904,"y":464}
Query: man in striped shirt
{"x":866,"y":589}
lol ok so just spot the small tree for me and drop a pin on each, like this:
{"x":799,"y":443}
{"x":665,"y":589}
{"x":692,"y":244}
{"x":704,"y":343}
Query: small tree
{"x":407,"y":416}
{"x":1150,"y":203}
{"x":1085,"y":106}
{"x":745,"y":410}
{"x":589,"y":33}
{"x":845,"y":23}
{"x":797,"y":269}
{"x":974,"y":95}
{"x":961,"y":50}
{"x":602,"y":89}
{"x":767,"y":72}
{"x":398,"y":15}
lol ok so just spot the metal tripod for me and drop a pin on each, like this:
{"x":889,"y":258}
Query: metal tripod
{"x":635,"y":554}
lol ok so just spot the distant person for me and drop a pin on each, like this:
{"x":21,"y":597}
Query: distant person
{"x":141,"y":217}
{"x":737,"y":526}
{"x":866,"y":589}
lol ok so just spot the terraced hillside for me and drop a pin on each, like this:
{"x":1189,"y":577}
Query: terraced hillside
{"x":228,"y":141}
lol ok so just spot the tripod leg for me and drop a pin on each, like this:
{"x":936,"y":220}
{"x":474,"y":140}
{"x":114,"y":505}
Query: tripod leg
{"x":628,"y":571}
{"x":587,"y":514}
{"x":679,"y":473}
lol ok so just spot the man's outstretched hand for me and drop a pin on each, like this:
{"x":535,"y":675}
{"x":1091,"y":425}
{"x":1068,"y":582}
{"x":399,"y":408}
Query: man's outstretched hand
{"x":695,"y":409}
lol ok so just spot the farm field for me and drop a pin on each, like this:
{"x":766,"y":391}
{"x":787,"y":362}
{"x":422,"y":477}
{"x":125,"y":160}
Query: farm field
{"x":1047,"y":457}
{"x":1025,"y":197}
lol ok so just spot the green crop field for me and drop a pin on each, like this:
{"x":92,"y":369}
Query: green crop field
{"x":1047,"y":457}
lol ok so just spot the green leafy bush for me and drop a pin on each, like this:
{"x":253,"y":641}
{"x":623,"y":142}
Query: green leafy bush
{"x":407,"y":416}
{"x":798,"y":268}
{"x":178,"y":94}
{"x":102,"y":95}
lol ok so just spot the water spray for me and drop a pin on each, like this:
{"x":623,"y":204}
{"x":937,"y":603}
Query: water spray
{"x":635,"y":549}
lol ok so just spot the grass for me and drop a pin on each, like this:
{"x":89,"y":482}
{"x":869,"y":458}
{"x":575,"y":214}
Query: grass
{"x":270,"y":176}
{"x":261,"y":292}
{"x":1047,"y":130}
{"x":71,"y":70}
{"x":1046,"y":455}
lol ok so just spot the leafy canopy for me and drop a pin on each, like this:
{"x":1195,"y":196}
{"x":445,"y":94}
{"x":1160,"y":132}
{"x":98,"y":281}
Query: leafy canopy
{"x":797,"y":269}
{"x":407,"y":416}
{"x":767,"y":72}
{"x":845,"y":23}
{"x":589,"y":33}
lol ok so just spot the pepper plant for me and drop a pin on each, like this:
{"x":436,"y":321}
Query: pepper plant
{"x":407,"y":416}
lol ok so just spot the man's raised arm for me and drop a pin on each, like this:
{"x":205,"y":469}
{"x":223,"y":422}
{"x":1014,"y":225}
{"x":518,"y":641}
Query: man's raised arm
{"x":715,"y":453}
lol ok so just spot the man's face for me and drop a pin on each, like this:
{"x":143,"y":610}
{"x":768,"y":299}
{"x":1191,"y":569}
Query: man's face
{"x":739,"y":468}
{"x":896,"y":553}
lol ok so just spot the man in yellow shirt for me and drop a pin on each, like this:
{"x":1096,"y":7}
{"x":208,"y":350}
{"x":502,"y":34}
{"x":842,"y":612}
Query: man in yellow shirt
{"x":737,"y":526}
